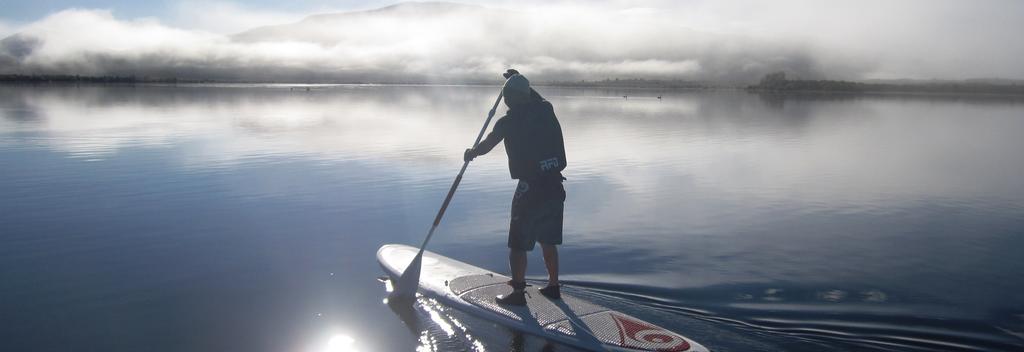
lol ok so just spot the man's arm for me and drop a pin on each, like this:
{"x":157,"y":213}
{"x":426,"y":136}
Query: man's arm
{"x":485,"y":146}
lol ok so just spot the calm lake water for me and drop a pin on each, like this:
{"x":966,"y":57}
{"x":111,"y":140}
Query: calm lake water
{"x":246,"y":218}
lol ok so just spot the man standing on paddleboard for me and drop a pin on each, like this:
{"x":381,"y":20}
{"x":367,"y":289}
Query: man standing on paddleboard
{"x":536,"y":157}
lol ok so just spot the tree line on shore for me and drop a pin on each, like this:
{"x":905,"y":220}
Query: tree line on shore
{"x":773,"y":82}
{"x":605,"y":83}
{"x":16,"y":78}
{"x":777,"y":82}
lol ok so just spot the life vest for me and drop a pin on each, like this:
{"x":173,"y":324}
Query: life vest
{"x":533,"y":142}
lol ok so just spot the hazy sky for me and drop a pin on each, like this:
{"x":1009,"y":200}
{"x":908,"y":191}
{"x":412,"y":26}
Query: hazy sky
{"x":731,"y":40}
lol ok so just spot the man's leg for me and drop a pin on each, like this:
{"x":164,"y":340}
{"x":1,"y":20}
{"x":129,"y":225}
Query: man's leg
{"x":551,"y":261}
{"x":552,"y":290}
{"x":518,"y":243}
{"x":550,"y":238}
{"x":517,"y":262}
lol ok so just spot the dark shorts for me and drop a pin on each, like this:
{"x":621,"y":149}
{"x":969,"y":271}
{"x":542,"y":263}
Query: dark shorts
{"x":537,"y":208}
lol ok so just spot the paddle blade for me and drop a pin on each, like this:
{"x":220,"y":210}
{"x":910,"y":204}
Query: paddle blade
{"x":407,"y":284}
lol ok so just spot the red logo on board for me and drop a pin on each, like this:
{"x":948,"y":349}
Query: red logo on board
{"x":637,"y":334}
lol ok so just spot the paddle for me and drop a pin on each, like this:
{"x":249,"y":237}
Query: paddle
{"x":408,"y":283}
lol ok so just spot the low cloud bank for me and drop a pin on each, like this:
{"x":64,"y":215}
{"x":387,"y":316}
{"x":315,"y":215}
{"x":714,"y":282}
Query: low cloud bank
{"x":451,"y":42}
{"x":6,"y":29}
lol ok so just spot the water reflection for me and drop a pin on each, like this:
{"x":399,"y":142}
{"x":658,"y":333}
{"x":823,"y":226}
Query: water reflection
{"x":715,"y":206}
{"x":436,"y":328}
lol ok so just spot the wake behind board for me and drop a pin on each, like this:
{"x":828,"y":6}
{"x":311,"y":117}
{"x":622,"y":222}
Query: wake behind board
{"x":571,"y":320}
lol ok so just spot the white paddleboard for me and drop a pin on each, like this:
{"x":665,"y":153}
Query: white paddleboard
{"x":570,"y":320}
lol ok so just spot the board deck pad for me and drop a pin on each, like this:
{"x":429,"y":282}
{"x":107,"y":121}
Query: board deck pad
{"x":469,"y":282}
{"x":572,"y":321}
{"x":567,"y":316}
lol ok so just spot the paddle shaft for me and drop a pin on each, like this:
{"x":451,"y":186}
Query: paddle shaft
{"x":458,"y":179}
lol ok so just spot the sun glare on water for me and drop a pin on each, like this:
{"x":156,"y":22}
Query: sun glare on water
{"x":340,"y":343}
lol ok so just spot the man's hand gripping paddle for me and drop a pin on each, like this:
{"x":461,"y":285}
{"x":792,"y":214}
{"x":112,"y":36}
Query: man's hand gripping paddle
{"x":408,"y":283}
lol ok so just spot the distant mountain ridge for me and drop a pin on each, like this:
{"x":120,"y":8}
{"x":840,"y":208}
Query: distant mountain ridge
{"x":422,"y":42}
{"x":345,"y":32}
{"x":15,"y":48}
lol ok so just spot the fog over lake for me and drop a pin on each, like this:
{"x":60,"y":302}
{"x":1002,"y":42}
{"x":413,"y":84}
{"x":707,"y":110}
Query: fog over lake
{"x":732,"y":42}
{"x":246,"y":217}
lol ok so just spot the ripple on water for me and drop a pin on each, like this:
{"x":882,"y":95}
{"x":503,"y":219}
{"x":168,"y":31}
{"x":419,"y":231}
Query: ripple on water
{"x":843,"y":319}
